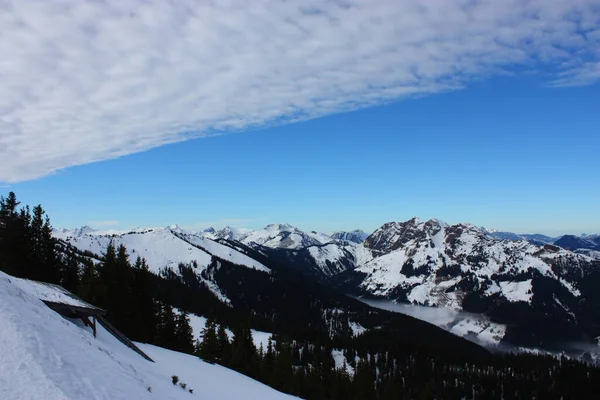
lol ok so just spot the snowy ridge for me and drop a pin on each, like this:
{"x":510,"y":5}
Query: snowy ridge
{"x":63,"y":361}
{"x":164,"y":247}
{"x":284,"y":236}
{"x":167,"y":248}
{"x":428,"y":262}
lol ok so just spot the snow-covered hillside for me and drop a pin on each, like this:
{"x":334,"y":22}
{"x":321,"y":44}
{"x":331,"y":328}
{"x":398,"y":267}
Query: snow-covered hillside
{"x":162,"y":247}
{"x":47,"y":357}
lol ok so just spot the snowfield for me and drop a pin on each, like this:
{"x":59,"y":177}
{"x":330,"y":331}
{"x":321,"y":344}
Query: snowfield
{"x":47,"y":357}
{"x":162,"y":247}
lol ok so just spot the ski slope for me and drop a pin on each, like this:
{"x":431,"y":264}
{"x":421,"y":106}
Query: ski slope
{"x":47,"y":357}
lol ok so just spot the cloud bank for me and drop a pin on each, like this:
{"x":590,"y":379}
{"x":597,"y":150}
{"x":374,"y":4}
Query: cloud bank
{"x":84,"y":81}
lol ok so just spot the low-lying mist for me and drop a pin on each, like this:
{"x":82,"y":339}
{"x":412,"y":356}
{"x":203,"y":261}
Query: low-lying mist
{"x":479,"y":329}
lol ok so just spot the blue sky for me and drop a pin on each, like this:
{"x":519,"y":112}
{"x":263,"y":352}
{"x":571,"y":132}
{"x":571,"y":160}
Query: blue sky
{"x":505,"y":153}
{"x":331,"y":116}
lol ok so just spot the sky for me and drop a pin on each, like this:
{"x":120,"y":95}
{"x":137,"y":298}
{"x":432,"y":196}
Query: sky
{"x":327,"y":115}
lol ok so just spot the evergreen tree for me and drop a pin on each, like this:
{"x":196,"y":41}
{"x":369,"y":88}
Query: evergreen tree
{"x":223,"y":346}
{"x":90,"y":286}
{"x":146,"y":306}
{"x":167,"y":327}
{"x":70,"y":275}
{"x":209,"y":347}
{"x":184,"y":335}
{"x":244,"y":356}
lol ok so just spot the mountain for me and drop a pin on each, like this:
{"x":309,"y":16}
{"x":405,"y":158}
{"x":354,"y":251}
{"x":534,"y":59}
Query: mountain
{"x":227,"y":233}
{"x":284,"y":236}
{"x":571,"y":242}
{"x":518,"y":292}
{"x":164,"y":248}
{"x":65,"y":233}
{"x":541,"y":293}
{"x":356,"y":236}
{"x":536,"y":238}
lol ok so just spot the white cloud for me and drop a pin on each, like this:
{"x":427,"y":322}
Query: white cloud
{"x":581,"y":75}
{"x":83,"y":81}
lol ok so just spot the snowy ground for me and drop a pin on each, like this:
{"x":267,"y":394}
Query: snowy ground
{"x":45,"y":356}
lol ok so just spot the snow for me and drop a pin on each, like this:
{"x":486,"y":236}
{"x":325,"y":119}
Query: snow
{"x":49,"y":292}
{"x":357,"y":329}
{"x":339,"y":359}
{"x":329,"y":257}
{"x":431,"y":245}
{"x":285,"y":236}
{"x":167,"y":248}
{"x":225,"y":252}
{"x":198,"y":323}
{"x":44,"y":356}
{"x":517,"y":291}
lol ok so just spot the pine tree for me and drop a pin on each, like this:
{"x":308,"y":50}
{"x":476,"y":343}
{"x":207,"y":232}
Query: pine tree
{"x":184,"y":335}
{"x":146,"y":306}
{"x":209,"y":347}
{"x":90,"y":286}
{"x":223,"y":346}
{"x":167,"y":327}
{"x":244,"y":356}
{"x":70,"y":279}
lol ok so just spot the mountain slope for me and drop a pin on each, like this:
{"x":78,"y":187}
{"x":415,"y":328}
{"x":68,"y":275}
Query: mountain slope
{"x":45,"y":356}
{"x":571,"y":242}
{"x":163,"y":247}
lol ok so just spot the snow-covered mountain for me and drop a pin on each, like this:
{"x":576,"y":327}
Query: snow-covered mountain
{"x":535,"y":238}
{"x":227,"y":233}
{"x":65,"y":233}
{"x":356,"y":236}
{"x":428,"y":263}
{"x":418,"y":258}
{"x":568,"y":242}
{"x":284,"y":236}
{"x":164,"y":248}
{"x":462,"y":267}
{"x":45,"y":356}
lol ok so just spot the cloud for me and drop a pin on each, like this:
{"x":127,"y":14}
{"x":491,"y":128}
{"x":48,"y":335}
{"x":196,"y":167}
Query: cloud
{"x":84,"y":81}
{"x":102,"y":224}
{"x":582,"y":75}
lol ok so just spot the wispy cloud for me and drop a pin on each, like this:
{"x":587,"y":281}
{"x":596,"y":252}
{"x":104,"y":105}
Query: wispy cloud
{"x":102,"y":224}
{"x":83,"y":81}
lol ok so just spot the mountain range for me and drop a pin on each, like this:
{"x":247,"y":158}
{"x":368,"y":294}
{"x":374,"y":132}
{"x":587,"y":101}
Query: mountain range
{"x":520,"y":289}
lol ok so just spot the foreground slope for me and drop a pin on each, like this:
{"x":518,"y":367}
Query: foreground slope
{"x":44,"y":356}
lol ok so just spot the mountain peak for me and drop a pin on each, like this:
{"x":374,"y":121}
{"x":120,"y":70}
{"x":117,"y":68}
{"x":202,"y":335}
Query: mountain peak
{"x":356,"y":236}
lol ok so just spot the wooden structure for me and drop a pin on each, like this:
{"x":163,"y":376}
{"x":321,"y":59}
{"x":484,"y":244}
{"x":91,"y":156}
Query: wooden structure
{"x":83,"y":313}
